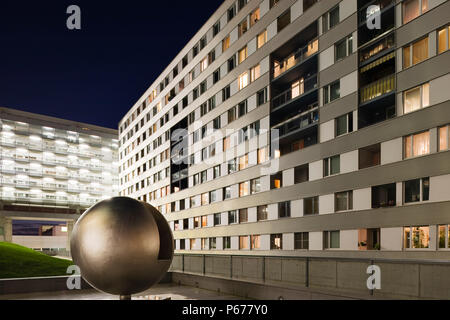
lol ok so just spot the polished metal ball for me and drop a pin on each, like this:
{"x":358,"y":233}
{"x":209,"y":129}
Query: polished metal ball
{"x":122,"y":246}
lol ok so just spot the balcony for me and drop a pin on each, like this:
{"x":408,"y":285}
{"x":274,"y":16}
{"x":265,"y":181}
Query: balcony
{"x":297,"y":90}
{"x":295,"y":58}
{"x":377,"y":89}
{"x":299,"y":122}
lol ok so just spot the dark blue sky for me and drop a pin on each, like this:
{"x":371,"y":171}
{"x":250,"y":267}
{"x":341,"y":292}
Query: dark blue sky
{"x":96,"y":74}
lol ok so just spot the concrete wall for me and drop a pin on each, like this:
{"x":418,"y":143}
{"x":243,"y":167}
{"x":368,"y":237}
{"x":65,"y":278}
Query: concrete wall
{"x":38,"y":242}
{"x":401,"y":279}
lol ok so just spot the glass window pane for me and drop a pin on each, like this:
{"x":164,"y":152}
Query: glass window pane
{"x":410,"y":10}
{"x":425,"y":189}
{"x":442,"y":40}
{"x":412,"y":100}
{"x":334,"y":239}
{"x":420,"y":50}
{"x":421,"y":143}
{"x":340,"y":50}
{"x":406,"y":57}
{"x":443,"y":138}
{"x":335,"y":165}
{"x":335,"y":91}
{"x":425,"y":95}
{"x":441,"y":237}
{"x":406,"y":237}
{"x":334,"y":17}
{"x":341,"y":125}
{"x":408,"y":151}
{"x":412,"y":190}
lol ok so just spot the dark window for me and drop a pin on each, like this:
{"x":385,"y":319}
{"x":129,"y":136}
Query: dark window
{"x":217,"y":219}
{"x":232,"y":217}
{"x":331,"y":239}
{"x":243,"y":215}
{"x":344,"y":124}
{"x":242,"y":108}
{"x":369,"y":156}
{"x":413,"y":190}
{"x":182,"y":244}
{"x":231,"y":12}
{"x":216,"y":76}
{"x":202,"y":43}
{"x":261,"y":97}
{"x":261,"y":212}
{"x":301,"y":173}
{"x":241,"y":4}
{"x":284,"y":209}
{"x":185,"y":222}
{"x":194,"y":51}
{"x":226,"y":242}
{"x":383,"y":196}
{"x":216,"y":28}
{"x":185,"y":102}
{"x":211,"y":103}
{"x":203,"y":87}
{"x":175,"y":72}
{"x":284,"y":20}
{"x":231,"y":63}
{"x":311,"y":206}
{"x":184,"y":62}
{"x":308,"y":4}
{"x":301,"y":240}
{"x":211,"y":57}
{"x":226,"y":93}
{"x":273,"y":2}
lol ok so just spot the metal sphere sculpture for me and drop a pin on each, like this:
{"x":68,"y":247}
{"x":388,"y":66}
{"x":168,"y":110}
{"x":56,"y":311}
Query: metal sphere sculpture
{"x":122,"y":246}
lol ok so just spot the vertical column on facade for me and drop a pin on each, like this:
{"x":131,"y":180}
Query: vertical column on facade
{"x":6,"y":229}
{"x":70,"y":225}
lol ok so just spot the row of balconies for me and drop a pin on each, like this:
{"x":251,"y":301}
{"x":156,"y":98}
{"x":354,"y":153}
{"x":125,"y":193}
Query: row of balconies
{"x":51,"y":186}
{"x":55,"y":162}
{"x":47,"y":198}
{"x":56,"y":149}
{"x":69,"y":138}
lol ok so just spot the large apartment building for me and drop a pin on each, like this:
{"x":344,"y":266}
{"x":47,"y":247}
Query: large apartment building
{"x":299,"y":128}
{"x":51,"y":171}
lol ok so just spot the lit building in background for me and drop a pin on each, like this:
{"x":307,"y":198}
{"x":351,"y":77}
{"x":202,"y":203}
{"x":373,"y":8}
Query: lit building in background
{"x":288,"y":131}
{"x":51,"y":170}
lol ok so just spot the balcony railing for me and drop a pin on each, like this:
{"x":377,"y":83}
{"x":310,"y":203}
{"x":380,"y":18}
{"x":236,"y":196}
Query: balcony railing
{"x":377,"y":88}
{"x":297,"y":89}
{"x":295,"y":58}
{"x":299,"y":122}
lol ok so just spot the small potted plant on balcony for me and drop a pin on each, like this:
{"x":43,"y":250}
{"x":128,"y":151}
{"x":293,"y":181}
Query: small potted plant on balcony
{"x":376,"y":246}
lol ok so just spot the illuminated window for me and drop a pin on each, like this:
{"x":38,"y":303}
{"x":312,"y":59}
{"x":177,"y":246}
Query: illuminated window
{"x":255,"y":73}
{"x":204,"y":244}
{"x":413,"y":8}
{"x":242,"y":27}
{"x":416,"y":237}
{"x":255,"y":242}
{"x":444,"y":138}
{"x":263,"y":155}
{"x":196,"y":222}
{"x":225,"y":43}
{"x":243,"y":162}
{"x":243,"y":242}
{"x":204,"y":221}
{"x":261,"y":39}
{"x":416,"y":98}
{"x":226,"y":143}
{"x":254,"y":17}
{"x":443,"y":39}
{"x":242,"y":54}
{"x":415,"y":52}
{"x":244,"y":189}
{"x":444,"y":237}
{"x":276,"y":180}
{"x":204,"y":64}
{"x":243,"y":80}
{"x":276,"y":241}
{"x":205,"y":199}
{"x":417,"y":144}
{"x":192,"y":244}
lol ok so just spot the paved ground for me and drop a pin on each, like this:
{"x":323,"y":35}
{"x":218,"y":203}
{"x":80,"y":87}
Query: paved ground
{"x":159,"y":292}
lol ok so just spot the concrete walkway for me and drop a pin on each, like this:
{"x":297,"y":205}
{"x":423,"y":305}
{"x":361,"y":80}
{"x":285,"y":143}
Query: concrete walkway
{"x":159,"y":292}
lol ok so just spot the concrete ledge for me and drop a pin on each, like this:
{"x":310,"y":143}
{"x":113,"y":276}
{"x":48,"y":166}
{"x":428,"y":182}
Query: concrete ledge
{"x":42,"y":284}
{"x":46,"y":284}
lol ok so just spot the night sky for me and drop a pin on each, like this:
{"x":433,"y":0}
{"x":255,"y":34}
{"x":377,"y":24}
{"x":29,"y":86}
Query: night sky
{"x":96,"y":74}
